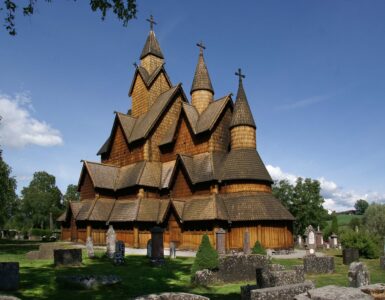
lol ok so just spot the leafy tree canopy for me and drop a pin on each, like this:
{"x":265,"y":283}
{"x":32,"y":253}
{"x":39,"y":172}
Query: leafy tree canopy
{"x":40,"y":199}
{"x":124,"y":10}
{"x":8,"y":197}
{"x":71,"y":194}
{"x":361,"y":206}
{"x":374,"y":219}
{"x":304,"y":201}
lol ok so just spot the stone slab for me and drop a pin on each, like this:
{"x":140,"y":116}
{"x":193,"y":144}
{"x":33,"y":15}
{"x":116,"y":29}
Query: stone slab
{"x":65,"y":257}
{"x":172,"y":296}
{"x":284,"y":292}
{"x":315,"y":264}
{"x":9,"y":276}
{"x":333,"y":292}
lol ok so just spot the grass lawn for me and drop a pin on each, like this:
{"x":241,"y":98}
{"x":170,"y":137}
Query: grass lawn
{"x":38,"y":278}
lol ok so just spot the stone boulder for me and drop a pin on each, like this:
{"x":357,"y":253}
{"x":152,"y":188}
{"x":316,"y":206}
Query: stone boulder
{"x":172,"y":296}
{"x":333,"y":292}
{"x":88,"y":281}
{"x":283,"y":292}
{"x":358,"y":274}
{"x":205,"y":277}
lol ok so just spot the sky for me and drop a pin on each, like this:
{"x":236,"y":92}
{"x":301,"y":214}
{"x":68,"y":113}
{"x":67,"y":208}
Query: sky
{"x":315,"y":74}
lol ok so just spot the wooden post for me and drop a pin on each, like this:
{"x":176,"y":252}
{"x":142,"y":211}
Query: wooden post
{"x":89,"y":231}
{"x":136,"y":236}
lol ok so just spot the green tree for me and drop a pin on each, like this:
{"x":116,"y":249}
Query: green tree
{"x":258,"y":249}
{"x":374,"y":219}
{"x":304,"y":201}
{"x":124,"y":10}
{"x":334,"y":227}
{"x":8,"y":197}
{"x":71,"y":194}
{"x":206,"y":257}
{"x":40,"y":200}
{"x":361,"y":206}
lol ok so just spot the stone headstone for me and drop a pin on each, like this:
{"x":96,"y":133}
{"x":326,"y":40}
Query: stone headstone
{"x":119,"y":253}
{"x":111,"y":241}
{"x":310,"y":237}
{"x":246,"y":243}
{"x":350,"y":255}
{"x":65,"y":257}
{"x":333,"y":240}
{"x":90,"y":248}
{"x":172,"y":250}
{"x":382,"y":262}
{"x":319,"y":239}
{"x":221,"y":241}
{"x":314,"y":264}
{"x":299,"y":241}
{"x":157,"y":248}
{"x":9,"y":276}
{"x":358,"y":275}
{"x":149,"y":247}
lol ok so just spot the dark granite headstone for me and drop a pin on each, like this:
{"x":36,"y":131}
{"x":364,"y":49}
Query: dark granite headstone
{"x":157,"y":249}
{"x":119,"y":253}
{"x":246,"y":243}
{"x":221,"y":241}
{"x":9,"y":276}
{"x":350,"y":255}
{"x":64,"y":257}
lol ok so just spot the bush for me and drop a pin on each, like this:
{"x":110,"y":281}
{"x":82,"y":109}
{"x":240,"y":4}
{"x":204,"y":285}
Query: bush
{"x":258,"y":249}
{"x":40,"y":232}
{"x":206,"y":257}
{"x":366,"y":244}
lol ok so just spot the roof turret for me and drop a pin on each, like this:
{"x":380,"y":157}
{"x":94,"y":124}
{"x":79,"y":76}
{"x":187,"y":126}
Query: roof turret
{"x":152,"y":44}
{"x":242,"y":114}
{"x":201,"y":78}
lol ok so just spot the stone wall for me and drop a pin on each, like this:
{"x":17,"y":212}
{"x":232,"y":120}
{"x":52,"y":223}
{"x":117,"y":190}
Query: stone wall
{"x":271,"y":277}
{"x":284,"y":292}
{"x":314,"y":264}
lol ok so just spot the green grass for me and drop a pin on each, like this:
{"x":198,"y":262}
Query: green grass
{"x":38,"y":278}
{"x":344,"y":220}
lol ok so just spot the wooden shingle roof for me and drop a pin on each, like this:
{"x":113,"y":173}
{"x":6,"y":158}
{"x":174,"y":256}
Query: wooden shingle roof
{"x":242,"y":114}
{"x":151,"y":46}
{"x":201,"y":79}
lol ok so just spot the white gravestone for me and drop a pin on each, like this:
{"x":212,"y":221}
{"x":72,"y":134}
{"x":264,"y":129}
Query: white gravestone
{"x":111,"y":242}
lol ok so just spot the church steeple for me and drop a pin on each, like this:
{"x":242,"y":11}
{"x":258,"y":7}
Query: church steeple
{"x":242,"y":123}
{"x":152,"y":56}
{"x":202,"y":91}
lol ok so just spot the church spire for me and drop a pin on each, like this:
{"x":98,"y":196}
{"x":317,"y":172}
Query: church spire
{"x":242,"y":114}
{"x":242,"y":125}
{"x":152,"y":45}
{"x":201,"y":78}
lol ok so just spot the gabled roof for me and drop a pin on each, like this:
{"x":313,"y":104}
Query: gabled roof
{"x":148,"y":79}
{"x":73,"y":207}
{"x":241,"y":164}
{"x":201,"y":79}
{"x":151,"y":46}
{"x":242,"y":114}
{"x":102,"y":175}
{"x":101,"y":210}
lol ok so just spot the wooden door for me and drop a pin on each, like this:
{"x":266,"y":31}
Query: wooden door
{"x":73,"y":230}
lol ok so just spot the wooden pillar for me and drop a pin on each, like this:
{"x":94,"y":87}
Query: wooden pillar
{"x":136,"y":236}
{"x":89,"y":231}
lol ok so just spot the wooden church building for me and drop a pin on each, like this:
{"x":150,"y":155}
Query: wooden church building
{"x":189,"y":166}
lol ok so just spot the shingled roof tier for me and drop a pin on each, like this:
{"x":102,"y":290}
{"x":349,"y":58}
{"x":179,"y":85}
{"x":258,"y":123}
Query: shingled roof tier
{"x":201,"y":79}
{"x":74,"y":207}
{"x":151,"y":46}
{"x":242,"y":114}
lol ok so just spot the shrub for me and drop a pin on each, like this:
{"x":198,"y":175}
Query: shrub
{"x":258,"y":249}
{"x":206,"y":257}
{"x":366,"y":244}
{"x":40,"y":232}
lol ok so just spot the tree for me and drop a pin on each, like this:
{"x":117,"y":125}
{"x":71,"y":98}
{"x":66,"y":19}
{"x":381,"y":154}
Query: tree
{"x":334,"y":227}
{"x":258,"y":249}
{"x":71,"y":194}
{"x":8,"y":197}
{"x":374,"y":219}
{"x":206,"y":257}
{"x":304,"y":201}
{"x":361,"y":206}
{"x":41,"y":199}
{"x":124,"y":10}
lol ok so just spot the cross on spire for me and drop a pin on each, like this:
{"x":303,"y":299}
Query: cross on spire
{"x":240,"y":75}
{"x":201,"y":46}
{"x":135,"y":64}
{"x":152,"y":22}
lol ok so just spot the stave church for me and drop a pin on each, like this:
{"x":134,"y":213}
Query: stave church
{"x":187,"y":164}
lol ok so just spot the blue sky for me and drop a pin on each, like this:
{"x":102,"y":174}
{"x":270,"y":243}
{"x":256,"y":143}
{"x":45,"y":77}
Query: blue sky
{"x":315,"y":73}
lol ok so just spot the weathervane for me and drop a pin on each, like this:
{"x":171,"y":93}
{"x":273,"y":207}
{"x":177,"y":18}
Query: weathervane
{"x":152,"y":22}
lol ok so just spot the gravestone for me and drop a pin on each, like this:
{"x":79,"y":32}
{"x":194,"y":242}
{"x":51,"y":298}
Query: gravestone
{"x":172,"y":250}
{"x":358,"y":275}
{"x":65,"y":257}
{"x":333,"y":240}
{"x":111,"y":241}
{"x":221,"y":241}
{"x":119,"y":253}
{"x":90,"y":248}
{"x":310,"y":239}
{"x":9,"y":276}
{"x":350,"y":255}
{"x":157,"y":248}
{"x":299,"y":241}
{"x":149,"y":247}
{"x":246,"y":242}
{"x":319,"y":239}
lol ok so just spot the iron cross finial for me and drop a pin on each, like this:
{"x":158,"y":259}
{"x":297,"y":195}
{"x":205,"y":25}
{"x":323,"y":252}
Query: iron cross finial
{"x":135,"y":65}
{"x":152,"y":22}
{"x":201,"y":46}
{"x":240,"y":75}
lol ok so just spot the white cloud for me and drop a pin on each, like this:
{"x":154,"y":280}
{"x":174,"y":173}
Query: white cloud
{"x":18,"y":128}
{"x":336,"y":198}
